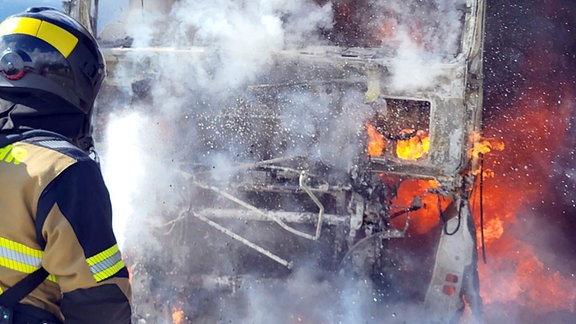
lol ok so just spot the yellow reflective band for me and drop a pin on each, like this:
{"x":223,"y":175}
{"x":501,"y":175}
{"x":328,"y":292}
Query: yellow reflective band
{"x":106,"y":263}
{"x":21,"y":248}
{"x":21,"y":258}
{"x":15,"y":265}
{"x":54,"y":35}
{"x":108,"y":272}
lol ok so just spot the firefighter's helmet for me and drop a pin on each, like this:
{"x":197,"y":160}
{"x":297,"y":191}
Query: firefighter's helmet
{"x":47,"y":54}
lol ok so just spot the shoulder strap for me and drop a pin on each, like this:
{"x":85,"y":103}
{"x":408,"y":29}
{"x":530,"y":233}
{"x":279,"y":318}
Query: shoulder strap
{"x":22,"y":288}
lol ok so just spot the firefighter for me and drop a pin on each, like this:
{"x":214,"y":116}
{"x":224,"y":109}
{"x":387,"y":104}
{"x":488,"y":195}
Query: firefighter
{"x":59,"y":259}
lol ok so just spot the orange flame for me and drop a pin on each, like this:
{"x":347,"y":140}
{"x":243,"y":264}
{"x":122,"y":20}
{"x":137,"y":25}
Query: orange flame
{"x":485,"y":145}
{"x":415,"y":147}
{"x":376,"y":143}
{"x":177,"y":316}
{"x":425,"y":218}
{"x":493,"y":230}
{"x":515,"y":275}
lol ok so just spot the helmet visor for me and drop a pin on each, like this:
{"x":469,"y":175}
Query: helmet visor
{"x":22,"y":55}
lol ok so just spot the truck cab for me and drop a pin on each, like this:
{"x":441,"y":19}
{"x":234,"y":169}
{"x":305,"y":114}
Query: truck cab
{"x":335,"y":138}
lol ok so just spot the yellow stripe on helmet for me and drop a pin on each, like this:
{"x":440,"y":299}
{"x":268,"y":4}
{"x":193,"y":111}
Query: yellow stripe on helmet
{"x":54,"y":35}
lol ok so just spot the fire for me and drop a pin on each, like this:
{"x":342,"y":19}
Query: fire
{"x":520,"y":276}
{"x":412,"y":148}
{"x":376,"y":143}
{"x":415,"y":147}
{"x":177,"y":316}
{"x":485,"y":145}
{"x":493,"y":230}
{"x":425,"y":218}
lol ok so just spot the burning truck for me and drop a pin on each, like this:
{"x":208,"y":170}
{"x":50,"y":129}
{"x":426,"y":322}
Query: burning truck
{"x":327,"y":143}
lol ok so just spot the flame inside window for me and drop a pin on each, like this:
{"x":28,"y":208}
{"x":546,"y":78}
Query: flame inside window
{"x":400,"y":129}
{"x":414,"y":147}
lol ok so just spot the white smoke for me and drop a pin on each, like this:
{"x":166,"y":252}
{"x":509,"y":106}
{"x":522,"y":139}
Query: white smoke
{"x":241,"y":36}
{"x":135,"y":190}
{"x":116,"y":173}
{"x":425,"y":35}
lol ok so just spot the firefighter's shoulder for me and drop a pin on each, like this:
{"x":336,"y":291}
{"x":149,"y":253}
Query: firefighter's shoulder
{"x":59,"y":145}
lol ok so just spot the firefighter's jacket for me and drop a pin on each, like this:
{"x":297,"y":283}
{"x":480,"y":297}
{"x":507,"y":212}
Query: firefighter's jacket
{"x":55,"y":212}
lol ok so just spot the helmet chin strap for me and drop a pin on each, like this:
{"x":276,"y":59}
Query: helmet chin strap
{"x":85,"y":140}
{"x":86,"y":143}
{"x":94,"y":155}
